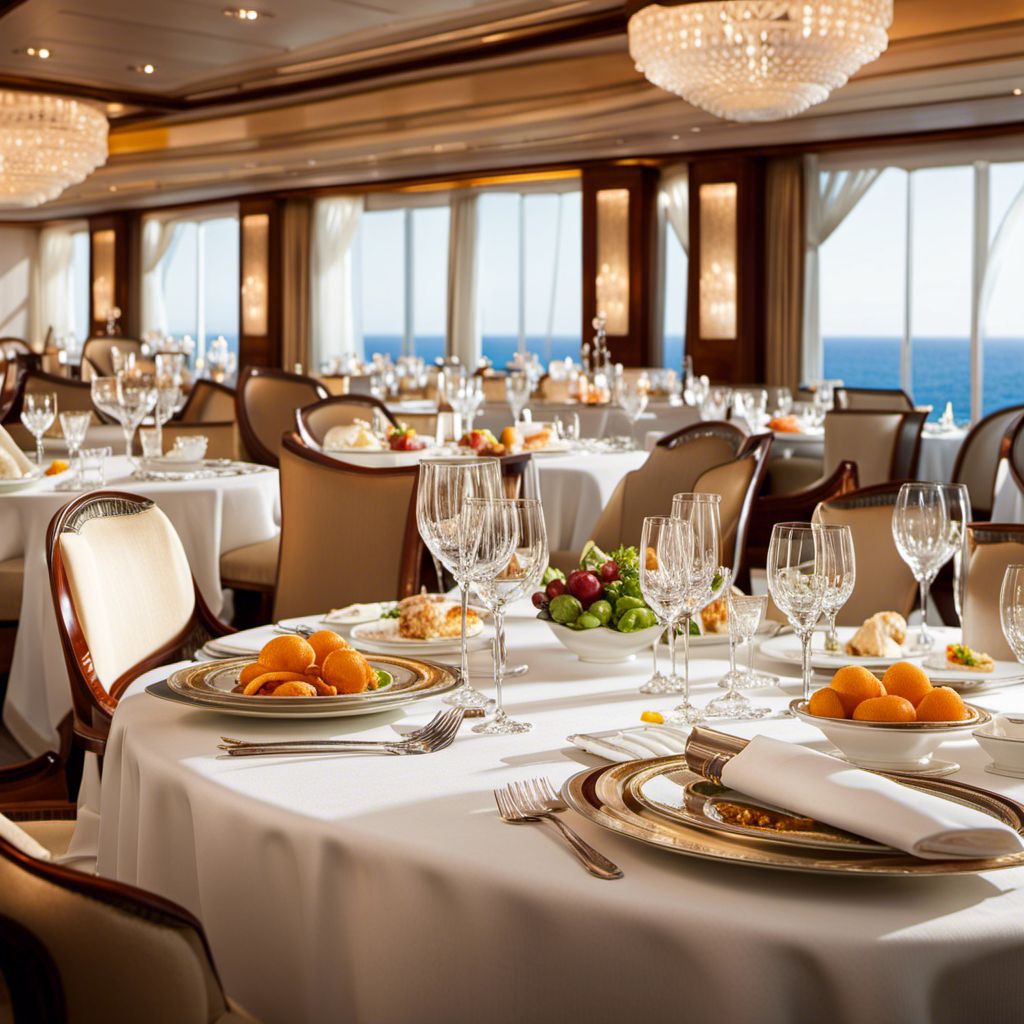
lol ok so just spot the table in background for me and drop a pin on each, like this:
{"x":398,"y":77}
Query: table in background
{"x":376,"y":890}
{"x":212,"y":515}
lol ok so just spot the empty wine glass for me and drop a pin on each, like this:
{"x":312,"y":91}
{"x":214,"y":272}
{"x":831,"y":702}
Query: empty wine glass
{"x":1011,"y":609}
{"x":136,"y":397}
{"x":921,"y":529}
{"x":797,"y":583}
{"x":472,"y":399}
{"x":38,"y":411}
{"x":517,"y":390}
{"x":74,"y":426}
{"x":104,"y":396}
{"x":444,"y":487}
{"x":168,"y":401}
{"x":745,"y":614}
{"x":958,"y":500}
{"x":633,"y":398}
{"x":840,"y":570}
{"x":511,"y":557}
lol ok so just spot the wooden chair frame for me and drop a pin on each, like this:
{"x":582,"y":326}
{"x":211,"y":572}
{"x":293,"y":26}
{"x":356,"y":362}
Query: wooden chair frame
{"x":898,"y":395}
{"x":93,"y":704}
{"x":256,"y":448}
{"x":1005,"y":448}
{"x":302,"y":423}
{"x":28,"y":369}
{"x":728,"y":432}
{"x":195,"y":391}
{"x":905,"y":453}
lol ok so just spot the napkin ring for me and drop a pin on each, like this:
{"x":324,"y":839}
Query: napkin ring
{"x":708,"y":751}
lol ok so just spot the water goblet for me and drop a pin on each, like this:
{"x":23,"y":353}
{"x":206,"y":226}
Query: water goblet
{"x":517,"y":391}
{"x":136,"y":397}
{"x":511,"y":557}
{"x":921,"y":529}
{"x":444,"y":487}
{"x":745,"y":614}
{"x":38,"y":411}
{"x":797,"y":583}
{"x":633,"y":399}
{"x":168,"y":401}
{"x":958,"y":500}
{"x":840,"y":570}
{"x":1011,"y":609}
{"x":74,"y":426}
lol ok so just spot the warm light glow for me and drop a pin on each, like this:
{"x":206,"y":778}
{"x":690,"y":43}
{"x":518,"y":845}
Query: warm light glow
{"x":757,"y":60}
{"x":46,"y":144}
{"x":102,"y":274}
{"x":718,"y":260}
{"x":245,"y":13}
{"x":612,"y":282}
{"x":255,"y":273}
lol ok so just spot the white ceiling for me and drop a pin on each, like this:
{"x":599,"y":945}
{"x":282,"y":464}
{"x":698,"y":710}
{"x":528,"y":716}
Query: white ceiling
{"x":949,"y":65}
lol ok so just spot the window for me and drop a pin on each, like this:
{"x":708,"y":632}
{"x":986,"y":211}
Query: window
{"x":400,"y":281}
{"x":674,"y":276}
{"x":529,"y":267}
{"x":78,"y":287}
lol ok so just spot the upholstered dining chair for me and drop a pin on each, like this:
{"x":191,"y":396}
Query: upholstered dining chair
{"x":494,"y":387}
{"x":348,"y":532}
{"x":125,"y":600}
{"x":208,"y":402}
{"x":875,"y":399}
{"x":97,"y":360}
{"x":314,"y":421}
{"x":75,"y":947}
{"x":266,"y":403}
{"x":72,"y":395}
{"x":884,"y":445}
{"x":991,"y":547}
{"x":10,"y":349}
{"x":884,"y":580}
{"x":978,"y":457}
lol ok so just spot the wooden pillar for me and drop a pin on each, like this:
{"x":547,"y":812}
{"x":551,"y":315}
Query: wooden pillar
{"x":110,"y":260}
{"x":260,"y":284}
{"x":726,"y":294}
{"x":620,"y":257}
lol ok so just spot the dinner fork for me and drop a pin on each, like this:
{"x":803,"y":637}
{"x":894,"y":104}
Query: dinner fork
{"x":437,"y":734}
{"x":515,"y":813}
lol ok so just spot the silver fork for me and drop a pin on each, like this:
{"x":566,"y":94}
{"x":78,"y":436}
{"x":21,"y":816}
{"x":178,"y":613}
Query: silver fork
{"x":516,"y":813}
{"x":437,"y":734}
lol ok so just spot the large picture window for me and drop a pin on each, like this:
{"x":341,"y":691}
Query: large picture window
{"x":674,"y":306}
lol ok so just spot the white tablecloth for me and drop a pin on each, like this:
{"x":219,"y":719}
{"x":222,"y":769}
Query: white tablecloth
{"x":596,"y":421}
{"x":211,"y":516}
{"x":380,"y":890}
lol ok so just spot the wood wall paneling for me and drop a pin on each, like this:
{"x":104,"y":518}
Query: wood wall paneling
{"x":256,"y":349}
{"x":112,"y":253}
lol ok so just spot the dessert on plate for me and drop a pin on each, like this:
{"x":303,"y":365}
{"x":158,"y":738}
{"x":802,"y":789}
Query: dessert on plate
{"x":428,"y":616}
{"x":357,"y":434}
{"x":879,"y":637}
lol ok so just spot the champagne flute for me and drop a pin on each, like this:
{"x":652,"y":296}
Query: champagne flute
{"x":1011,"y":609}
{"x":958,"y":500}
{"x":921,"y":529}
{"x":38,"y":411}
{"x":74,"y":426}
{"x":512,"y":554}
{"x":840,"y":570}
{"x":745,"y":615}
{"x":443,"y":489}
{"x":797,"y":582}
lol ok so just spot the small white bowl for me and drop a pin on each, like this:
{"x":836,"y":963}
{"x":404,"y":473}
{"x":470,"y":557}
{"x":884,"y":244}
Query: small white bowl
{"x":604,"y":646}
{"x":889,"y":746}
{"x":1006,"y":751}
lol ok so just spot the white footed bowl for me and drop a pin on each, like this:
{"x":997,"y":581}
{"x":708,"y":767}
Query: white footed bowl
{"x":604,"y":646}
{"x":1004,"y":744}
{"x":889,"y":746}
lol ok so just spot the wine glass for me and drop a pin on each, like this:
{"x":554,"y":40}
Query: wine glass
{"x":168,"y":401}
{"x":797,"y":582}
{"x":136,"y":397}
{"x":472,"y":398}
{"x":74,"y":426}
{"x":745,"y":614}
{"x":840,"y":569}
{"x":665,"y":563}
{"x":444,"y":487}
{"x":38,"y":411}
{"x":706,"y":580}
{"x":1011,"y":609}
{"x":517,"y":391}
{"x":958,"y":499}
{"x":512,"y":554}
{"x":633,"y":399}
{"x":921,"y":529}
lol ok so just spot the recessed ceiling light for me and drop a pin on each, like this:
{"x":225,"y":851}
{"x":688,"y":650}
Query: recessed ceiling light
{"x":694,"y":129}
{"x":245,"y":13}
{"x":142,"y":69}
{"x":115,"y":108}
{"x":31,"y":51}
{"x":1016,"y":92}
{"x":676,"y":138}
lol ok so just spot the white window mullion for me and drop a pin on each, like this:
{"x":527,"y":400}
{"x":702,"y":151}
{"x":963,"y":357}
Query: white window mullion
{"x":906,"y":349}
{"x":409,"y":337}
{"x":554,"y":283}
{"x":522,"y":275}
{"x":980,"y":248}
{"x":201,"y":289}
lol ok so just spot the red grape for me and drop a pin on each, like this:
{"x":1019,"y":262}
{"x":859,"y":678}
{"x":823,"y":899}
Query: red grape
{"x":584,"y":586}
{"x":540,"y":599}
{"x":555,"y":589}
{"x":610,"y":571}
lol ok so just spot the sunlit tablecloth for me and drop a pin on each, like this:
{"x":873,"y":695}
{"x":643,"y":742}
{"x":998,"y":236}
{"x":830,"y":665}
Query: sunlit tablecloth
{"x":380,"y":890}
{"x":211,"y":515}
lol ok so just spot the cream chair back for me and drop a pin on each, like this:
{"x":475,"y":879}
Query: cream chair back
{"x":97,"y":360}
{"x":348,"y":533}
{"x":314,"y":421}
{"x":876,"y":399}
{"x":494,"y":388}
{"x":991,"y":547}
{"x":884,"y":580}
{"x":266,"y":404}
{"x":978,"y":458}
{"x":883,"y":444}
{"x":208,"y":402}
{"x":552,"y":390}
{"x":222,"y":439}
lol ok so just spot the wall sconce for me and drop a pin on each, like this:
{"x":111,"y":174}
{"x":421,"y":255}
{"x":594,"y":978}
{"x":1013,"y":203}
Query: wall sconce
{"x":102,"y":274}
{"x":255,"y":273}
{"x":718,"y":251}
{"x":613,"y":259}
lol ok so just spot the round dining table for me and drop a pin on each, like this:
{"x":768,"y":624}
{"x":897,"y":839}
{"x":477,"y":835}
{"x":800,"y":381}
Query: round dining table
{"x":376,"y":889}
{"x":210,"y":514}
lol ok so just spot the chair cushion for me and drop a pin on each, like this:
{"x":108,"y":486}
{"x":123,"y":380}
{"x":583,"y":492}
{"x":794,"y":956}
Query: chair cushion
{"x":255,"y":564}
{"x":53,"y":836}
{"x":12,"y":572}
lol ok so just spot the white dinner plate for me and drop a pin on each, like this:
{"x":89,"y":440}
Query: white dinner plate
{"x":1004,"y":673}
{"x":382,"y":635}
{"x":22,"y":483}
{"x":786,"y":648}
{"x":163,"y":464}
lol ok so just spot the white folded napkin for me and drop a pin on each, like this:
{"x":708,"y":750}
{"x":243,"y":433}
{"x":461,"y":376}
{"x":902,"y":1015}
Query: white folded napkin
{"x":354,"y":612}
{"x":17,"y":456}
{"x":807,"y":782}
{"x":629,"y":744}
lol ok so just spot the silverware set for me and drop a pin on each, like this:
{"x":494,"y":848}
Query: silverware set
{"x":437,"y":734}
{"x":521,"y":803}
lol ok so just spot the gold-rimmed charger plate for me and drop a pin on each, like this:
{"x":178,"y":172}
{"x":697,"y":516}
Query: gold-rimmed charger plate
{"x":600,"y":795}
{"x":208,"y":684}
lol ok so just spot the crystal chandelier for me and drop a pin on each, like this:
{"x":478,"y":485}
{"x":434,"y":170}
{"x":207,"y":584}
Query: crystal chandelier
{"x":46,"y":144}
{"x":756,"y":60}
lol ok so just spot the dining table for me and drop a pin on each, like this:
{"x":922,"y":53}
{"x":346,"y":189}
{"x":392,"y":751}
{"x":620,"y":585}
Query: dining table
{"x":375,"y":889}
{"x":211,"y":514}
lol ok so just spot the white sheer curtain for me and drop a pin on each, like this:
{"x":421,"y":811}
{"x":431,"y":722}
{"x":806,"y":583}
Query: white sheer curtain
{"x":157,"y":235}
{"x":51,"y":303}
{"x":675,"y":191}
{"x":827,"y":203}
{"x":463,"y":321}
{"x":335,"y":222}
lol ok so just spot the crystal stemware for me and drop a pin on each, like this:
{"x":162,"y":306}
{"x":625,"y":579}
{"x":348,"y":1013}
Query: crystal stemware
{"x":633,"y":397}
{"x":840,"y":570}
{"x":924,"y":539}
{"x":136,"y":397}
{"x":797,"y":583}
{"x":168,"y":401}
{"x":38,"y":411}
{"x":74,"y":426}
{"x":1011,"y":609}
{"x":511,"y":558}
{"x":444,"y":487}
{"x":958,"y":501}
{"x":517,"y":391}
{"x":745,"y":614}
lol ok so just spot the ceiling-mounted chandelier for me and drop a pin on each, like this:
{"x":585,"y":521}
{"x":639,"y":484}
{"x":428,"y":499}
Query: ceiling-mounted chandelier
{"x":46,"y":144}
{"x":756,"y":60}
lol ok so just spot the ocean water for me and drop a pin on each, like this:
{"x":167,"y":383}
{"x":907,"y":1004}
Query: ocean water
{"x":499,"y":349}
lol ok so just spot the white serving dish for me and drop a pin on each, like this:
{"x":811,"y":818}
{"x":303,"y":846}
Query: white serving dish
{"x":889,"y":746}
{"x":22,"y":483}
{"x":604,"y":646}
{"x":382,"y":635}
{"x":1004,"y":743}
